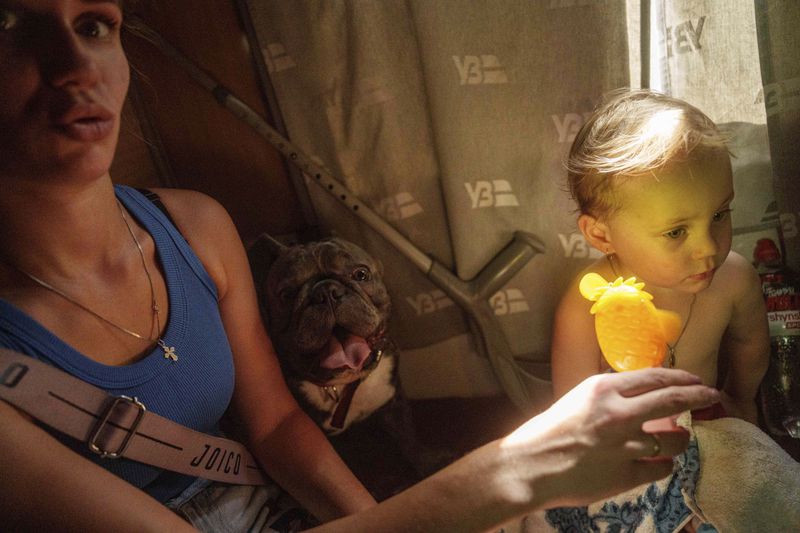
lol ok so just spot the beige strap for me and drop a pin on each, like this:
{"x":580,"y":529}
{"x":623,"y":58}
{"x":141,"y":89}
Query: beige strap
{"x":118,"y":426}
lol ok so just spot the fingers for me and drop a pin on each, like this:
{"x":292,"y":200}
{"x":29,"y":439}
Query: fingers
{"x":653,"y":454}
{"x":636,"y":382}
{"x":662,"y":392}
{"x":671,"y":401}
{"x":645,"y":447}
{"x":604,"y":415}
{"x":657,"y":446}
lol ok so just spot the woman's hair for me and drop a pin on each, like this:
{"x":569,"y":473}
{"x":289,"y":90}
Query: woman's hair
{"x":634,"y":132}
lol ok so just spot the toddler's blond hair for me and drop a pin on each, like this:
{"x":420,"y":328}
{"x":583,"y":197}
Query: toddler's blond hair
{"x":634,"y":132}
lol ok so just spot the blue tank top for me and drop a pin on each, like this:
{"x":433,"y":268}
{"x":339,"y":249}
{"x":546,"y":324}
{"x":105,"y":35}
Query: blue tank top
{"x":194,"y":390}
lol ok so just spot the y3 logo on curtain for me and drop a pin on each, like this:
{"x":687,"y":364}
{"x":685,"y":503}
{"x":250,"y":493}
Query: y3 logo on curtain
{"x":425,"y":303}
{"x":400,"y":206}
{"x":505,"y":302}
{"x":477,"y":70}
{"x":495,"y":193}
{"x":684,"y":38}
{"x":508,"y":302}
{"x":789,"y":225}
{"x":276,"y":58}
{"x":575,"y":246}
{"x":568,"y":125}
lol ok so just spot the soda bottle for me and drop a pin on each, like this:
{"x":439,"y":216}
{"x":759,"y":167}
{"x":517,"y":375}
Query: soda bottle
{"x":780,"y":389}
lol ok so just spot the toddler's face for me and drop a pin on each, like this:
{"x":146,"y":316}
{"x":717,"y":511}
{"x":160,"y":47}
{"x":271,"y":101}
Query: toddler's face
{"x":673,"y":229}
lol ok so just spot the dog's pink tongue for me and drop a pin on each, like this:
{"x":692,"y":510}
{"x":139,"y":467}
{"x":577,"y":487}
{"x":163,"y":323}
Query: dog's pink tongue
{"x":351,"y":352}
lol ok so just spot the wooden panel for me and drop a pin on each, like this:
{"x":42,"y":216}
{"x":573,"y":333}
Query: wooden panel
{"x":206,"y":147}
{"x":132,"y":162}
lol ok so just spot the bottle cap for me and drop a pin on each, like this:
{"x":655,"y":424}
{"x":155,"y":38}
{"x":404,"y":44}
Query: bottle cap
{"x":766,"y":252}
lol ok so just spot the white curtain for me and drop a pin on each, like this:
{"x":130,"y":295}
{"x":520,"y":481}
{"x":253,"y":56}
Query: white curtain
{"x":707,"y":53}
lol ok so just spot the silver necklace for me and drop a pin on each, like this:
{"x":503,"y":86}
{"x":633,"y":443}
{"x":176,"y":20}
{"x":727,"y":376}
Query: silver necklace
{"x":169,"y":351}
{"x":670,"y":347}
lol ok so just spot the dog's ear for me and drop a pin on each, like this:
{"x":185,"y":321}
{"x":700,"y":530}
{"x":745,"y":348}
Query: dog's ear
{"x":261,"y":254}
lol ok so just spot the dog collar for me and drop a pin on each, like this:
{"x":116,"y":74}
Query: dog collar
{"x":346,"y":397}
{"x":340,"y":414}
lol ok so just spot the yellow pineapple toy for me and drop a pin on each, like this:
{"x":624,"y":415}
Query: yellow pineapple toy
{"x":631,"y":331}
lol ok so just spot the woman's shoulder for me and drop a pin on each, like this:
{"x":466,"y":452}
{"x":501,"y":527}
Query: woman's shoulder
{"x":195,"y":213}
{"x":206,"y":226}
{"x":180,"y":201}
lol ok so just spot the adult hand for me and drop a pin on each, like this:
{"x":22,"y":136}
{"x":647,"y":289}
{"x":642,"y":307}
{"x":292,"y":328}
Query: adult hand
{"x":590,"y":444}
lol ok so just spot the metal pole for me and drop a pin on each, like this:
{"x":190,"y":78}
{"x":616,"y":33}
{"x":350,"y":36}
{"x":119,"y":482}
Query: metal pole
{"x":644,"y":39}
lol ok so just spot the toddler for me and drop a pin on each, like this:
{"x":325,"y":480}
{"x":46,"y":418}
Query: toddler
{"x":651,"y":175}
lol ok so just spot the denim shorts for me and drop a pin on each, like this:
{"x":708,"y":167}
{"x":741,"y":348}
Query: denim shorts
{"x":222,"y":508}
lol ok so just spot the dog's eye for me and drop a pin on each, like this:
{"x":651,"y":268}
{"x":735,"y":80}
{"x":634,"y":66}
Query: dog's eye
{"x":362,"y":274}
{"x":286,"y":294}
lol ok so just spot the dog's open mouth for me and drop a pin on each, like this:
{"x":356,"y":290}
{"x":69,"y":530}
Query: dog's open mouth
{"x":345,"y":350}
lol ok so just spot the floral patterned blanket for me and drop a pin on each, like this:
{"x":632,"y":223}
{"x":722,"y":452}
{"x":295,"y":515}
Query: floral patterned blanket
{"x":733,"y":477}
{"x":658,"y":507}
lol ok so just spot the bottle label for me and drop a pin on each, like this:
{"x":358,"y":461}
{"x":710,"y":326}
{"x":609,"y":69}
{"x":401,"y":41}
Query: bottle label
{"x":784,"y":323}
{"x":780,"y":296}
{"x":783,"y":307}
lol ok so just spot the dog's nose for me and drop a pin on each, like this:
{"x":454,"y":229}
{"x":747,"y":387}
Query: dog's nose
{"x":327,"y":292}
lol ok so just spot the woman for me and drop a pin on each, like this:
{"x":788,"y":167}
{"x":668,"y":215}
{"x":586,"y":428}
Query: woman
{"x":97,"y":282}
{"x":60,"y":118}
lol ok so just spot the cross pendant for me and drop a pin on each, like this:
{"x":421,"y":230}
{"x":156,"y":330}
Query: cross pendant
{"x":169,"y":351}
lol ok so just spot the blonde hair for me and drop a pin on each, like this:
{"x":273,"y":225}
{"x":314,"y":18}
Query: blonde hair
{"x":634,"y":132}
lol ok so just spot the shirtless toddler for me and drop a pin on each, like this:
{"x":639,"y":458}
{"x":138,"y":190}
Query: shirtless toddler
{"x":652,"y":178}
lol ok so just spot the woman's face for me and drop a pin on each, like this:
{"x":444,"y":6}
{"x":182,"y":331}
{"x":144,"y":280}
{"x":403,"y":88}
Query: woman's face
{"x":63,"y":80}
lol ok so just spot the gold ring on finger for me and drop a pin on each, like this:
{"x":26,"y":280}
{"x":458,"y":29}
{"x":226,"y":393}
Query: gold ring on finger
{"x":656,"y":445}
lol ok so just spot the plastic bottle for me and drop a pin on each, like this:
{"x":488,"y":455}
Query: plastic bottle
{"x":780,"y":389}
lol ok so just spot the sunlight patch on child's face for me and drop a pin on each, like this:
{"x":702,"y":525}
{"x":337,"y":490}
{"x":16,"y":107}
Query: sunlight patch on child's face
{"x":674,"y":225}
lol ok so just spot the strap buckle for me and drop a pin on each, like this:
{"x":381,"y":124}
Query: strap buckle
{"x":104,"y":419}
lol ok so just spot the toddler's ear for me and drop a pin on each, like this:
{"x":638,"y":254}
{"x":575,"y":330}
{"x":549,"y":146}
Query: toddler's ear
{"x":596,"y":233}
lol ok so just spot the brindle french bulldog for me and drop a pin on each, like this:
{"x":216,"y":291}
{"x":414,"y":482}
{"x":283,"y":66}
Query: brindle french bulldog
{"x":327,"y":310}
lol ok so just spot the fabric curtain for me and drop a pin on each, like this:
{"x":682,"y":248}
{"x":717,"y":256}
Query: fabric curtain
{"x":707,"y":53}
{"x":451,"y":119}
{"x":778,"y":25}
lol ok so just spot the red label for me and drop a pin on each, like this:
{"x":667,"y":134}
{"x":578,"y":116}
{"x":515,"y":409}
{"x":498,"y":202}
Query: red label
{"x":783,"y":302}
